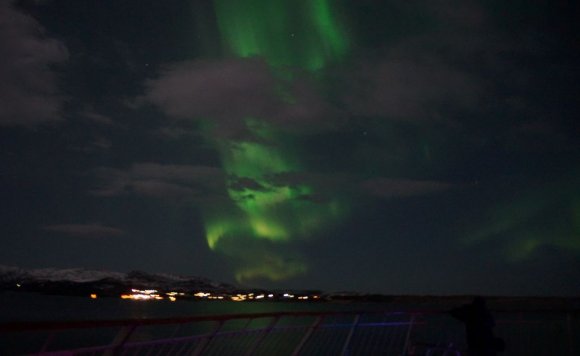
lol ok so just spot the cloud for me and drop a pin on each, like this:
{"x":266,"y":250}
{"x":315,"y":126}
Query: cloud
{"x":98,"y":118}
{"x":28,"y":90}
{"x":409,"y":89}
{"x":454,"y":14}
{"x":166,"y":182}
{"x":227,"y":92}
{"x":174,"y":132}
{"x":417,"y":79}
{"x":86,"y":230}
{"x":540,"y":136}
{"x":428,"y":75}
{"x":395,"y":188}
{"x":243,"y":183}
{"x":217,"y":90}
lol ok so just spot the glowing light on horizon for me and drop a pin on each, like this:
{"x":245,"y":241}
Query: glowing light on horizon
{"x":148,"y":294}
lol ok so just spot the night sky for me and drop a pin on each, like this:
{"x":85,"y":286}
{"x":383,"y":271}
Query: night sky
{"x":398,"y":147}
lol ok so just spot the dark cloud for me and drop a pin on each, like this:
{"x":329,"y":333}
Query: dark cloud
{"x":166,"y":182}
{"x":98,"y":118}
{"x":86,"y":230}
{"x":325,"y":185}
{"x":411,"y":89}
{"x":395,"y":188}
{"x":243,"y":183}
{"x":455,"y":14}
{"x":428,"y":75}
{"x":227,"y":92}
{"x":102,"y":143}
{"x":174,"y":132}
{"x":28,"y":91}
{"x":541,"y":136}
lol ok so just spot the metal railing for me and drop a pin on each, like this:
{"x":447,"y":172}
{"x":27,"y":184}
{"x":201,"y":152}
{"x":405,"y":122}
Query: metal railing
{"x":298,"y":333}
{"x":292,"y":333}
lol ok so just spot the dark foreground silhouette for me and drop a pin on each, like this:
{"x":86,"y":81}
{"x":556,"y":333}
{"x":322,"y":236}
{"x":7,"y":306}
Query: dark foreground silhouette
{"x":479,"y":326}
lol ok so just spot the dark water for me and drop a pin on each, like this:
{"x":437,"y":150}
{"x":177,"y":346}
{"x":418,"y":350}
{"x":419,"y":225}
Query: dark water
{"x":22,"y":307}
{"x":37,"y":307}
{"x":529,"y":333}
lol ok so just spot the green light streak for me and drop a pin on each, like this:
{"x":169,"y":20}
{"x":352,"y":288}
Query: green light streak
{"x":250,"y":159}
{"x":264,"y":209}
{"x":274,"y":270}
{"x":264,"y":213}
{"x":287,"y":33}
{"x":534,"y":220}
{"x":270,"y":211}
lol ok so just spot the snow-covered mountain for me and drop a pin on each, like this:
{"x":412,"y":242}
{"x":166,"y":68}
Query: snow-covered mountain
{"x":74,"y":279}
{"x":79,"y":275}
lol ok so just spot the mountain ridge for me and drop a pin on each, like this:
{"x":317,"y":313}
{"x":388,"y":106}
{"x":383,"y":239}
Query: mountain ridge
{"x":81,"y":281}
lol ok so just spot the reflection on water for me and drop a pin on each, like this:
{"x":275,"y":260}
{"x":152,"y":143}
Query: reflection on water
{"x":37,"y":307}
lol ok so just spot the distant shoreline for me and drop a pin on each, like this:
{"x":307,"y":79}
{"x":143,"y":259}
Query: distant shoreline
{"x":404,"y":302}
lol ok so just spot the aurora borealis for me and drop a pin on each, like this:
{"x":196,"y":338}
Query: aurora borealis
{"x":263,"y":209}
{"x":288,"y":35}
{"x":296,"y":34}
{"x":423,"y":147}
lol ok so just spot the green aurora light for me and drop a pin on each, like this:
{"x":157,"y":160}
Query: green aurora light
{"x":265,"y":209}
{"x":533,"y":220}
{"x":266,"y":215}
{"x":287,"y":33}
